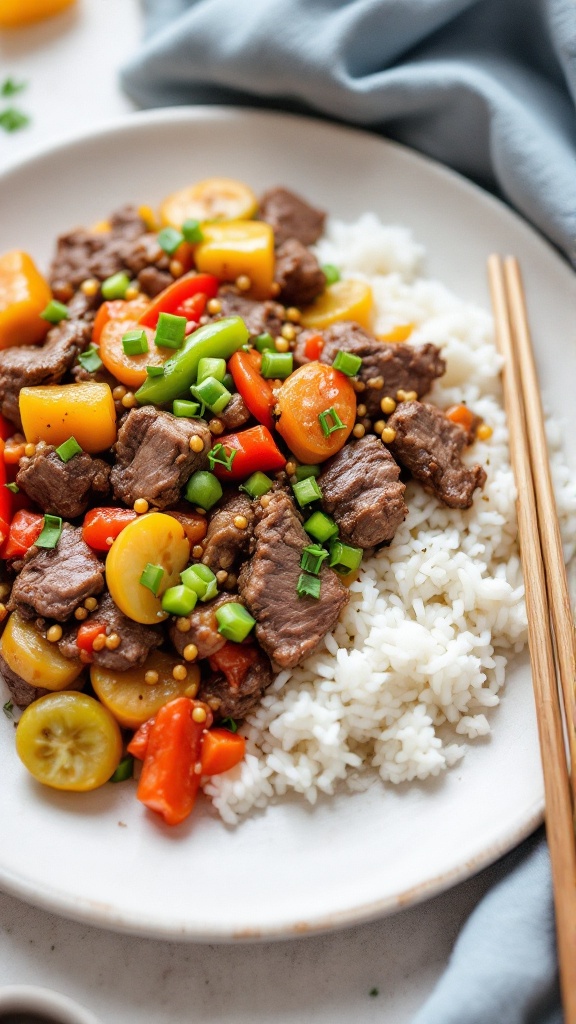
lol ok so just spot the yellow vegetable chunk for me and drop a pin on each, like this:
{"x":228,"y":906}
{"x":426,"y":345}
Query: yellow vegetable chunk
{"x":14,"y":13}
{"x":69,"y":741}
{"x":59,"y":411}
{"x":211,"y":199}
{"x":133,"y":701}
{"x":24,"y":294}
{"x":239,"y":248}
{"x":398,"y":334}
{"x":344,"y":300}
{"x":155,"y":539}
{"x":36,"y":660}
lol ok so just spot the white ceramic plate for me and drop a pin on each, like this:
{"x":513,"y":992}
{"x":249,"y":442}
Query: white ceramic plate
{"x":291,"y":870}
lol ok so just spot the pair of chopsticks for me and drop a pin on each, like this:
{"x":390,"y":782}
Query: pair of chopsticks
{"x":550,"y":626}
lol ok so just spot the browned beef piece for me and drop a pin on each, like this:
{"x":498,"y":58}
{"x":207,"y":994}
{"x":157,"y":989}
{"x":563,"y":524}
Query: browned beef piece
{"x":298,"y":273}
{"x":362,"y":491}
{"x":229,"y":700}
{"x":82,"y":254}
{"x":291,"y":217}
{"x":259,"y":317}
{"x":153,"y":456}
{"x":63,"y":488}
{"x":136,"y":640}
{"x":149,"y":263}
{"x":429,"y":445}
{"x":225,"y":543}
{"x":203,"y":630}
{"x":402,"y":366}
{"x":235,"y":414}
{"x":32,"y":365}
{"x":288,"y":627}
{"x":153,"y":281}
{"x":54,"y":581}
{"x":21,"y":692}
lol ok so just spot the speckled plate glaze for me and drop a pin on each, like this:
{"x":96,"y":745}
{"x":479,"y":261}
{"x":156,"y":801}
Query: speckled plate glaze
{"x":293,"y":869}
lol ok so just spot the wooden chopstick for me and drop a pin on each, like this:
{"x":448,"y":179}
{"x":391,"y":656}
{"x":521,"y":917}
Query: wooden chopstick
{"x":509,"y":315}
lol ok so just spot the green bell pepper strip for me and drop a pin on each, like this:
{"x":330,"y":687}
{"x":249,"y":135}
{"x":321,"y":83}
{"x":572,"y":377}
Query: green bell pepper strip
{"x":217,"y":340}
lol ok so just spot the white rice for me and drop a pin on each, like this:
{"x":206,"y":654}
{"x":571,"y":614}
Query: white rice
{"x":418,"y":657}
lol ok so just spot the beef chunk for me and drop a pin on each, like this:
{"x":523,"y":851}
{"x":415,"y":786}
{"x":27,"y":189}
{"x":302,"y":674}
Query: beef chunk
{"x":235,"y":414}
{"x":298,"y":273}
{"x":153,"y":281}
{"x":32,"y":365}
{"x":153,"y":456}
{"x":259,"y":317}
{"x":149,"y":263}
{"x":63,"y":488}
{"x":82,"y":254}
{"x":288,"y":627}
{"x":236,"y":694}
{"x":291,"y":217}
{"x":203,"y":630}
{"x":54,"y":581}
{"x":21,"y":692}
{"x":361,"y":490}
{"x":402,"y":366}
{"x":136,"y":640}
{"x":225,"y":543}
{"x":429,"y":445}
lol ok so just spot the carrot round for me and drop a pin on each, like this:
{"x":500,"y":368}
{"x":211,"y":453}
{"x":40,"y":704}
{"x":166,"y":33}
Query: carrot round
{"x":317,"y":406}
{"x":221,"y":750}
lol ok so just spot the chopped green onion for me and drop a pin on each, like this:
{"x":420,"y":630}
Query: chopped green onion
{"x":69,"y":449}
{"x":306,"y":490}
{"x":228,"y":382}
{"x":192,"y":231}
{"x":234,"y":622}
{"x":302,"y":472}
{"x":309,"y":585}
{"x":55,"y":312}
{"x":329,"y":428}
{"x":115,"y":287}
{"x":201,"y":580}
{"x":154,"y":371}
{"x":344,"y":558}
{"x":50,"y":532}
{"x":212,"y":393}
{"x":257,"y":484}
{"x":211,"y":368}
{"x":124,"y":771}
{"x":264,"y":341}
{"x":179,"y":600}
{"x":152,"y":577}
{"x":135,"y":343}
{"x":218,"y":457}
{"x":8,"y":709}
{"x":90,"y":359}
{"x":277,"y":365}
{"x":170,"y":331}
{"x":321,"y":527}
{"x":169,"y":239}
{"x":203,"y":489}
{"x":347,"y":363}
{"x":180,"y":407}
{"x":312,"y":558}
{"x":10,"y":87}
{"x":331,"y":273}
{"x":12,"y":487}
{"x":12,"y":120}
{"x":230,"y":724}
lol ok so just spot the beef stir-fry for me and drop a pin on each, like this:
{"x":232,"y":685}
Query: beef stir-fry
{"x":201,"y":443}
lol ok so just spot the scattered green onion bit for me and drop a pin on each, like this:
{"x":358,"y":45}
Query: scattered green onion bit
{"x":169,"y":239}
{"x":10,"y":87}
{"x":12,"y":120}
{"x":192,"y":231}
{"x":8,"y":709}
{"x":347,"y":363}
{"x":228,"y":382}
{"x":277,"y":365}
{"x":212,"y":393}
{"x":55,"y":312}
{"x":90,"y":359}
{"x":12,"y":487}
{"x":201,"y":580}
{"x":331,"y":273}
{"x":170,"y":331}
{"x":306,"y":491}
{"x":302,"y":472}
{"x":264,"y":341}
{"x":234,"y":622}
{"x":152,"y":577}
{"x":135,"y":343}
{"x":329,"y":428}
{"x":308,"y":585}
{"x":69,"y":449}
{"x":321,"y":527}
{"x":344,"y":558}
{"x":115,"y":287}
{"x":180,"y":407}
{"x":230,"y":724}
{"x":211,"y":368}
{"x":203,"y":489}
{"x":155,"y":371}
{"x":312,"y":558}
{"x":218,"y":457}
{"x":124,"y":771}
{"x":50,"y":532}
{"x":257,"y":484}
{"x":179,"y":600}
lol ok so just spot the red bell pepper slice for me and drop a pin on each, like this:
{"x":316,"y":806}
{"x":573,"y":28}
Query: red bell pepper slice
{"x":255,"y":449}
{"x":256,"y":392}
{"x":234,"y":660}
{"x":177,"y":298}
{"x":101,"y":524}
{"x":25,"y":529}
{"x":313,"y":347}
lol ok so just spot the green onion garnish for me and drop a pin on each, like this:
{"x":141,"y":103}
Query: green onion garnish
{"x":50,"y":532}
{"x":124,"y":771}
{"x":8,"y":709}
{"x":344,"y":558}
{"x":115,"y":287}
{"x":55,"y":312}
{"x":169,"y":239}
{"x":306,"y":491}
{"x":170,"y":331}
{"x":68,"y":449}
{"x":229,"y":723}
{"x":203,"y":489}
{"x":228,"y":382}
{"x":321,"y":527}
{"x":10,"y":87}
{"x":154,"y":371}
{"x":276,"y":364}
{"x":329,"y":428}
{"x":180,"y":407}
{"x":12,"y":120}
{"x":234,"y":622}
{"x":212,"y":393}
{"x":331,"y":273}
{"x":309,"y":585}
{"x":218,"y":457}
{"x":305,"y":471}
{"x":90,"y":359}
{"x":12,"y":487}
{"x":347,"y":363}
{"x":264,"y":341}
{"x":257,"y":484}
{"x":201,"y":580}
{"x":152,"y":577}
{"x":179,"y":600}
{"x":312,"y":558}
{"x":135,"y":343}
{"x":211,"y":368}
{"x":192,"y":231}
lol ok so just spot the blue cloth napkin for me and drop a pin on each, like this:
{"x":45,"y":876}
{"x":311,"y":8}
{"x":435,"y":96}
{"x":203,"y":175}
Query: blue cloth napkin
{"x":488,"y":87}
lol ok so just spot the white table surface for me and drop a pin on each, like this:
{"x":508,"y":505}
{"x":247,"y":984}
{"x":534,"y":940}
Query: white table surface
{"x":71,"y":63}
